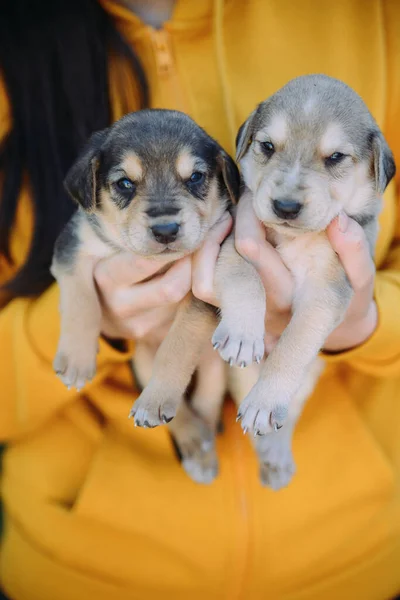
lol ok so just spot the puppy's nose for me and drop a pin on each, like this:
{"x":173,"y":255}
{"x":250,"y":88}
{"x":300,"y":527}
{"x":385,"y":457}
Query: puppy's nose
{"x":165,"y":233}
{"x":286,"y":209}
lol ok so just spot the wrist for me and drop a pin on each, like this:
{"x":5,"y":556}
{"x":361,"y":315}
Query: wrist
{"x":355,"y":334}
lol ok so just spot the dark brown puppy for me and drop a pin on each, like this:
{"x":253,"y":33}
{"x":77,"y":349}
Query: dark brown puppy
{"x":153,"y":184}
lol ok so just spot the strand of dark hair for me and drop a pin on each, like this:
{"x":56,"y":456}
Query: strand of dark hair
{"x":54,"y":60}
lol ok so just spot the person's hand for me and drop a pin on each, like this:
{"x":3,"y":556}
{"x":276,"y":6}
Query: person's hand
{"x":136,"y":310}
{"x":251,"y":243}
{"x":348,"y":240}
{"x":205,"y":260}
{"x":277,"y":280}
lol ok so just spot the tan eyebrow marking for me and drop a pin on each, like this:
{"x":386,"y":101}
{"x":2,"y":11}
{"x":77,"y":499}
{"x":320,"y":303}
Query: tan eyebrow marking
{"x":132,"y":166}
{"x":185,"y":164}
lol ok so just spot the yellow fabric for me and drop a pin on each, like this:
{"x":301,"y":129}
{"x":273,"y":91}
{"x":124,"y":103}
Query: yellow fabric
{"x":98,"y":509}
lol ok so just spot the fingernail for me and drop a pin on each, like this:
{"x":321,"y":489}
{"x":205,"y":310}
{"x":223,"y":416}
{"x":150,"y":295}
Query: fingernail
{"x":343,"y":222}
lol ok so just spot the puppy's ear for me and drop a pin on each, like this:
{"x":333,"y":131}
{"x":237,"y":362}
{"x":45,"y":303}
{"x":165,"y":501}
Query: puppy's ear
{"x":81,"y":179}
{"x":243,"y":138}
{"x":230,"y":175}
{"x":383,"y":161}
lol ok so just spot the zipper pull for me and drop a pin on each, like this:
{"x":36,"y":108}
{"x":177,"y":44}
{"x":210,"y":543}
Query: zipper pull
{"x":162,"y":51}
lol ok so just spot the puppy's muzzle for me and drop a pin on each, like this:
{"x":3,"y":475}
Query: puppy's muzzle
{"x":165,"y":233}
{"x":286,"y":209}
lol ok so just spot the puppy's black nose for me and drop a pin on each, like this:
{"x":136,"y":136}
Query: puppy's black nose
{"x":165,"y":233}
{"x":286,"y":209}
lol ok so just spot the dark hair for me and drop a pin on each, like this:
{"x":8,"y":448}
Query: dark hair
{"x":54,"y":59}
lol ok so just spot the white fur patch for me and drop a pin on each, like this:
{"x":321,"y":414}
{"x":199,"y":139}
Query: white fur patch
{"x":292,"y":178}
{"x":310,"y":105}
{"x":333,"y":140}
{"x":276,"y":130}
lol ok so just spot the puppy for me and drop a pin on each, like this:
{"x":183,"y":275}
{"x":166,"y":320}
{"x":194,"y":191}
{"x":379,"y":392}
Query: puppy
{"x":153,"y":184}
{"x":307,"y":153}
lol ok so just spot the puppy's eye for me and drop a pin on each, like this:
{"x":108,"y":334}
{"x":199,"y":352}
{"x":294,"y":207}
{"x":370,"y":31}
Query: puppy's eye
{"x":268,"y":148}
{"x":126,"y":185}
{"x":196,"y":178}
{"x":334,"y":158}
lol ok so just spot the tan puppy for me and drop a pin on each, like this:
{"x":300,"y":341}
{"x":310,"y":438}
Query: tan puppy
{"x":152,"y":184}
{"x":307,"y":153}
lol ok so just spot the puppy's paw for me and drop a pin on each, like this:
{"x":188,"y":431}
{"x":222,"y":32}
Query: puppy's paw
{"x":75,"y":369}
{"x":237,"y":345}
{"x":195,"y":442}
{"x":262,"y":411}
{"x":277,"y":466}
{"x":202,"y":468}
{"x":155,"y":406}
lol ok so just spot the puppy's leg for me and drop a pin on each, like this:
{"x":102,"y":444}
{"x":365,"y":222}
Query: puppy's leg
{"x":175,"y":362}
{"x":317,"y":311}
{"x":75,"y":361}
{"x":240,"y":335}
{"x":274,"y":450}
{"x":194,"y":428}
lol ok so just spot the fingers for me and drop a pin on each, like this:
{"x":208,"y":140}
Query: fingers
{"x":154,"y":322}
{"x":250,"y":242}
{"x":349,"y":241}
{"x":124,"y":269}
{"x":170,"y":288}
{"x":204,"y":260}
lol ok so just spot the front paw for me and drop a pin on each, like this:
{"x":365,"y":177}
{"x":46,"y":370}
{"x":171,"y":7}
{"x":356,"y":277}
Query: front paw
{"x":263,"y":411}
{"x":75,"y":368}
{"x":155,"y":406}
{"x":239,"y":346}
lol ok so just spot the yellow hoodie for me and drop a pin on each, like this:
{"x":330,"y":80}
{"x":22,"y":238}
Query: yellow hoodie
{"x":96,"y":509}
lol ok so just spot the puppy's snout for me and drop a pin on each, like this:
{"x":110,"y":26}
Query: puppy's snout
{"x":165,"y":233}
{"x":286,"y":209}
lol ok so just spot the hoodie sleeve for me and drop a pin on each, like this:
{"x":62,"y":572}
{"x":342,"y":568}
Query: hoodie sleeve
{"x":30,"y":391}
{"x":380,"y":354}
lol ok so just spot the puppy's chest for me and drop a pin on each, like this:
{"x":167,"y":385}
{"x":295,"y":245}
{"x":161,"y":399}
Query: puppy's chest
{"x":307,"y":256}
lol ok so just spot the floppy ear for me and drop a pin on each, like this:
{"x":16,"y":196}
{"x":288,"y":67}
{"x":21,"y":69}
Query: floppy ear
{"x":230,"y":174}
{"x":383,"y":161}
{"x":80,"y":181}
{"x":243,"y":138}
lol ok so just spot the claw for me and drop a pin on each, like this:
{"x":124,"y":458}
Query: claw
{"x":242,"y":365}
{"x":258,"y":359}
{"x":231,"y":362}
{"x":216,"y":345}
{"x":244,"y":430}
{"x":239,"y":416}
